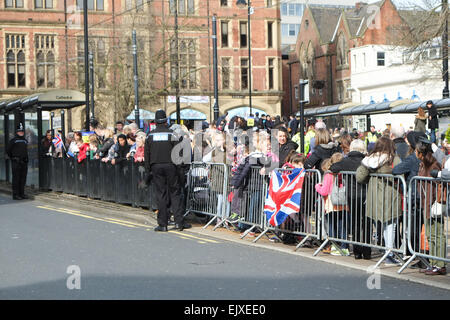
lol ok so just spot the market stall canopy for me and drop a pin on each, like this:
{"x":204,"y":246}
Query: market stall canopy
{"x":189,"y":114}
{"x":3,"y":103}
{"x":441,"y":104}
{"x":328,"y":110}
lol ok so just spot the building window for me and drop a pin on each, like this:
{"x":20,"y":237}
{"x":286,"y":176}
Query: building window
{"x":244,"y":74}
{"x":380,"y":59}
{"x":284,"y":9}
{"x":80,"y":62}
{"x":139,"y":5}
{"x":99,"y":62}
{"x":291,"y":9}
{"x":224,"y":3}
{"x":183,"y":64}
{"x":43,"y":4}
{"x":15,"y":60}
{"x":342,"y":51}
{"x":93,"y":5}
{"x":45,"y":61}
{"x":225,"y":73}
{"x":284,"y":29}
{"x":243,"y":34}
{"x":293,"y":29}
{"x":184,"y":6}
{"x":13,"y":3}
{"x":348,"y":93}
{"x":290,"y":30}
{"x":270,"y":34}
{"x":269,"y":3}
{"x":224,"y":33}
{"x":271,"y":73}
{"x":296,"y":93}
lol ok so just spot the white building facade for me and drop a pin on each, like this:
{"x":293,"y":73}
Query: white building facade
{"x":386,"y":73}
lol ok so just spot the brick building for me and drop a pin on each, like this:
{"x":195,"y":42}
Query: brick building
{"x":327,"y":35}
{"x":43,"y":48}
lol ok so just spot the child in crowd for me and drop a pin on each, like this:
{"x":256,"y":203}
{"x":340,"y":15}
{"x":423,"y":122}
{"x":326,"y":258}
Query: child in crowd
{"x":93,"y":146}
{"x":335,"y":214}
{"x":298,"y":160}
{"x":140,"y":146}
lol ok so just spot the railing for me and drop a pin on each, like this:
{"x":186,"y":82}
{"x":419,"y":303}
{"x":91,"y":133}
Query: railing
{"x":121,"y":183}
{"x":428,"y":223}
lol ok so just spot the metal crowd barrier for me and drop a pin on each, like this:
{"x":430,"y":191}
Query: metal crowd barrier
{"x":428,"y":222}
{"x":308,"y":221}
{"x":207,"y":190}
{"x":121,"y":183}
{"x":367,"y":215}
{"x":251,"y":209}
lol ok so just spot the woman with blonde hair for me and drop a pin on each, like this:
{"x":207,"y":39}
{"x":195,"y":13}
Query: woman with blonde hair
{"x":108,"y":141}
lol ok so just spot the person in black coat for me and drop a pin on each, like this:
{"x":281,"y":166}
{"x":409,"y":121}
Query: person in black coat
{"x":122,"y":150}
{"x":433,"y":122}
{"x":324,"y":149}
{"x":285,"y":145}
{"x":409,"y":167}
{"x":17,"y":152}
{"x":356,"y":195}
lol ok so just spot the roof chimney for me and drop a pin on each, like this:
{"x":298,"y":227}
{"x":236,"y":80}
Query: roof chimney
{"x":359,"y":5}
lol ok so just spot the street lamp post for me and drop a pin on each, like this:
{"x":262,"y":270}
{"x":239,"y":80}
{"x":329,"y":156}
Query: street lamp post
{"x":86,"y":60}
{"x":444,"y":11}
{"x":216,"y":90}
{"x":91,"y":84}
{"x":177,"y":83}
{"x":241,"y":4}
{"x":136,"y":81}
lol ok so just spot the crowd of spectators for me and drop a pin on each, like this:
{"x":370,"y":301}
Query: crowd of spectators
{"x":329,"y":150}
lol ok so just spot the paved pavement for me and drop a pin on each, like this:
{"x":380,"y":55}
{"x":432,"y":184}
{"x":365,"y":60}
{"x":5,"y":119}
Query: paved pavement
{"x":46,"y":241}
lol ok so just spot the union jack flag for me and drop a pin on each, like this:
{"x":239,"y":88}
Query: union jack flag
{"x":57,"y":141}
{"x":284,"y":196}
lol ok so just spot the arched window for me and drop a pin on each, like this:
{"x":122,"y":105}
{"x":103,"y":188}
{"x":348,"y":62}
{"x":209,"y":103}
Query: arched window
{"x":310,"y":59}
{"x":40,"y":69}
{"x":45,"y":61}
{"x":50,"y":70}
{"x":342,"y":51}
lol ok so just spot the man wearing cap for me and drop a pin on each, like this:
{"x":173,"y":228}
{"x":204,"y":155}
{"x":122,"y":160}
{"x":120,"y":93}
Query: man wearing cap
{"x":158,"y":161}
{"x":18,"y":153}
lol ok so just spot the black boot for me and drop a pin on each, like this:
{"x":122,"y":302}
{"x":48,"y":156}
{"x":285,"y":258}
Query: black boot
{"x":161,"y":229}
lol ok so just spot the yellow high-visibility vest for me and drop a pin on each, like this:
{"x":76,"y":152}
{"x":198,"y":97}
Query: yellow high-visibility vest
{"x":371,"y":137}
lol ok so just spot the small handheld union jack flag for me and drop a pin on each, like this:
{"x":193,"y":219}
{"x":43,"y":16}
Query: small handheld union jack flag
{"x":57,"y":141}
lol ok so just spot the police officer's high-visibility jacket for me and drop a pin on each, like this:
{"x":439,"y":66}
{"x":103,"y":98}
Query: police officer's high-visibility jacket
{"x":371,"y":137}
{"x":309,"y":135}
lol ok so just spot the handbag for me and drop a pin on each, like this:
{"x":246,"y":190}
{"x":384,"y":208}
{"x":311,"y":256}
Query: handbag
{"x":338,"y":193}
{"x":439,"y":207}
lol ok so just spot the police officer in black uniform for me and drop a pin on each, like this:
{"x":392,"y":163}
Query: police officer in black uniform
{"x":158,"y":162}
{"x":18,"y":153}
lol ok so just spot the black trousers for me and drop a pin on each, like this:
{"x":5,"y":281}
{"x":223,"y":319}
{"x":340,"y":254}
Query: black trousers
{"x":19,"y":177}
{"x":360,"y":227}
{"x":167,"y":189}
